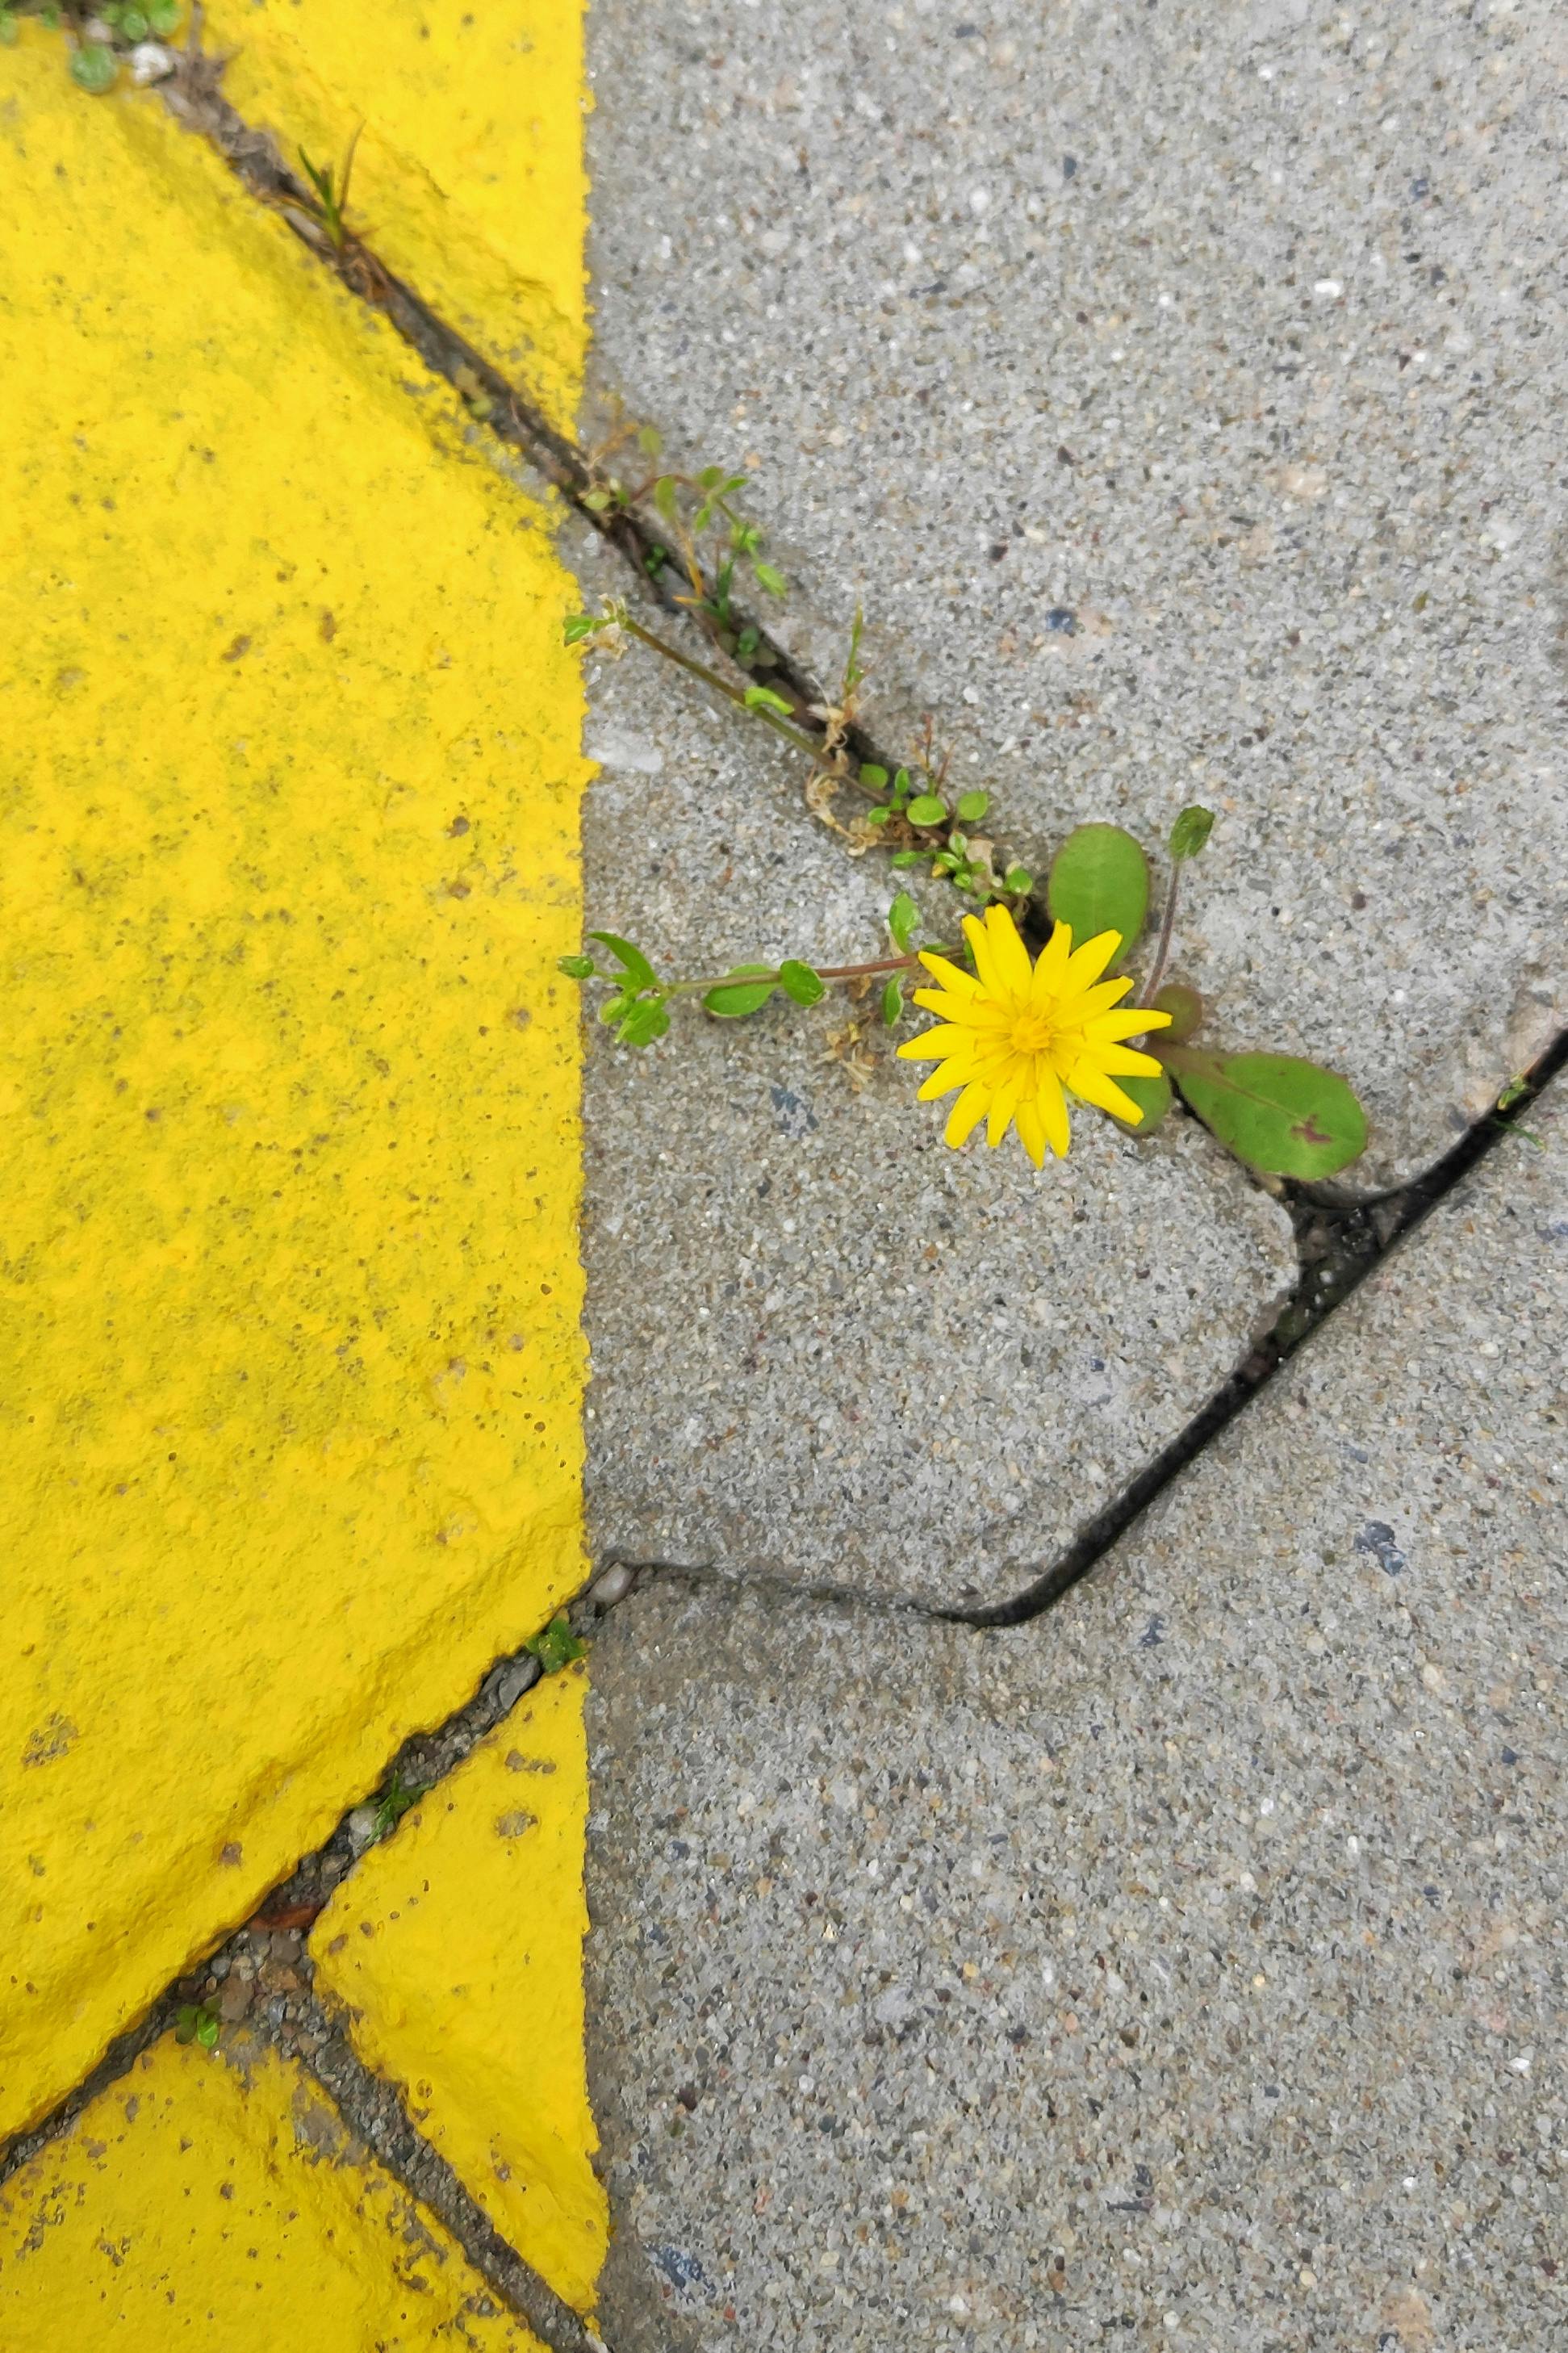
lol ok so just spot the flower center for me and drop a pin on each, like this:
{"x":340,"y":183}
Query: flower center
{"x":1034,"y":1033}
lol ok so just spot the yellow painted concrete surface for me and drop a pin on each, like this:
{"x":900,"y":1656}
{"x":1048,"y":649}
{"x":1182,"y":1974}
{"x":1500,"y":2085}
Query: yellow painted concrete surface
{"x":467,"y":178}
{"x":456,"y":1946}
{"x":289,"y":1356}
{"x":220,"y":2204}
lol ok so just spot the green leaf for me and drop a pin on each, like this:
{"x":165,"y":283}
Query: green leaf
{"x":892,"y":1000}
{"x":616,"y":1007}
{"x":901,"y":782}
{"x":878,"y":816}
{"x":1098,"y":883}
{"x":1185,"y":1008}
{"x":1019,"y":879}
{"x":1280,"y":1114}
{"x":739,"y":995}
{"x":650,"y":440}
{"x":872,"y":777}
{"x":636,"y":965}
{"x":907,"y":858}
{"x":1190,"y":831}
{"x":597,"y":501}
{"x":926,"y":809}
{"x":8,"y":30}
{"x":1153,"y":1098}
{"x":973,"y":805}
{"x":763,"y":698}
{"x":710,"y":477}
{"x":800,"y":982}
{"x":134,"y":24}
{"x":581,"y":625}
{"x":94,"y":68}
{"x":556,"y":1646}
{"x":771,"y":579}
{"x":195,"y":2022}
{"x":664,"y":496}
{"x":578,"y":967}
{"x":903,"y":919}
{"x":647,"y":1020}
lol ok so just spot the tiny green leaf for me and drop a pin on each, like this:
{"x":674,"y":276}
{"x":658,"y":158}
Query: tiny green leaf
{"x":1098,"y":883}
{"x":740,"y":994}
{"x":636,"y":965}
{"x":134,"y":24}
{"x":763,"y":698}
{"x":878,"y":816}
{"x":647,"y":1020}
{"x":94,"y":68}
{"x":650,"y":440}
{"x":195,"y":2022}
{"x":903,"y":921}
{"x":926,"y":809}
{"x":1019,"y":879}
{"x":972,"y":806}
{"x":892,"y":1000}
{"x":710,"y":477}
{"x":907,"y":858}
{"x":556,"y":1646}
{"x":1153,"y":1097}
{"x":579,"y":625}
{"x":771,"y":579}
{"x":664,"y":496}
{"x":1280,"y":1114}
{"x":1190,"y":831}
{"x":615,"y":1009}
{"x":872,"y":777}
{"x":597,"y":501}
{"x":1185,"y":1008}
{"x":164,"y":16}
{"x":800,"y":982}
{"x":577,"y":967}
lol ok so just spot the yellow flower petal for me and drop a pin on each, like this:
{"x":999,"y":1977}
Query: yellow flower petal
{"x":980,"y":948}
{"x":1004,"y":1104}
{"x":1032,"y":1132}
{"x":1008,"y":953}
{"x":965,"y":1115}
{"x":1087,"y":963}
{"x":1109,"y":1028}
{"x":932,"y":1044}
{"x":943,"y":1080}
{"x":1099,"y":1000}
{"x":951,"y":976}
{"x":1051,"y":966}
{"x":1125,"y":1062}
{"x":1092,"y":1086}
{"x":1052,"y":1106}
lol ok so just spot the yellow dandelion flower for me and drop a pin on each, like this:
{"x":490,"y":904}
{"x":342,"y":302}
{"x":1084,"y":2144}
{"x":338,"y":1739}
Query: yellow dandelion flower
{"x":1019,"y":1038}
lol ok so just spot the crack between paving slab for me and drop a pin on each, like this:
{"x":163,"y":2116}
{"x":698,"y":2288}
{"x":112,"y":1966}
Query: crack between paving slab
{"x":290,"y":2018}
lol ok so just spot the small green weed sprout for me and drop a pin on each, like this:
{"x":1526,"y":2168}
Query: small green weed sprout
{"x":394,"y":1801}
{"x":556,"y":1646}
{"x":196,"y":2023}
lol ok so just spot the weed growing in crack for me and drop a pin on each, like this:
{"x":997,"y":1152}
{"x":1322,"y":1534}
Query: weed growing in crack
{"x":198,"y":2024}
{"x":556,"y":1646}
{"x":1016,"y":1037}
{"x":394,"y":1801}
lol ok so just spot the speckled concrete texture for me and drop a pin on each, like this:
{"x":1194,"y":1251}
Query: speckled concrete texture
{"x":1184,"y":1968}
{"x":1178,"y":389}
{"x":825,"y":1346}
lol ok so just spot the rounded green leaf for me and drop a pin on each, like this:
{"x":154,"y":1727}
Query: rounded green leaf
{"x":1282,"y":1115}
{"x":733,"y":998}
{"x":577,"y":967}
{"x":926,"y":809}
{"x":903,"y":921}
{"x":1098,"y":883}
{"x":647,"y":1020}
{"x":1185,"y":1008}
{"x":892,"y":1000}
{"x":972,"y":805}
{"x":1191,"y":831}
{"x":94,"y":68}
{"x":1153,"y":1098}
{"x":799,"y":982}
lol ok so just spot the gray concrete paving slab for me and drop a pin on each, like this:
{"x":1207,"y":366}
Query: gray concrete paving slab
{"x":825,"y":1346}
{"x":1184,"y":1968}
{"x":1178,"y":389}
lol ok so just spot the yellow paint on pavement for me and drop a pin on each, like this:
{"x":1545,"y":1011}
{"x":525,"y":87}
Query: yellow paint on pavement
{"x":456,"y":1946}
{"x":467,"y":178}
{"x":223,"y":2205}
{"x":289,"y":1359}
